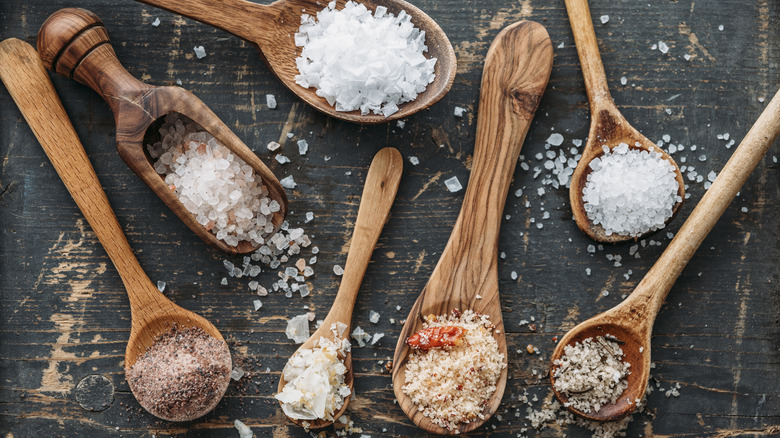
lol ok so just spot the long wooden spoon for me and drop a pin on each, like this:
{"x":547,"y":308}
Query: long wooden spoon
{"x":272,"y":27}
{"x":380,"y":189}
{"x":632,"y":320}
{"x":152,"y":314}
{"x":515,"y":75}
{"x":608,"y":127}
{"x":74,"y":43}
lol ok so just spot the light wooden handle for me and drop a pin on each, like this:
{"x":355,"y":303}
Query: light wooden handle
{"x":379,"y":192}
{"x":74,"y":43}
{"x":28,"y":83}
{"x":651,"y":292}
{"x":588,"y":52}
{"x":238,"y":17}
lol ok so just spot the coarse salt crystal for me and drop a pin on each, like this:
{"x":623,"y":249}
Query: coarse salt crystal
{"x":662,"y":47}
{"x":604,"y":19}
{"x":272,"y":146}
{"x":303,"y":147}
{"x":298,"y":329}
{"x":243,"y":430}
{"x":161,"y":286}
{"x":373,"y":317}
{"x":156,"y":22}
{"x":555,"y":139}
{"x":270,"y":101}
{"x":414,"y":160}
{"x":453,"y":184}
{"x":338,"y":270}
{"x":459,"y":111}
{"x":236,"y":374}
{"x":288,"y":182}
{"x":200,"y":51}
{"x":258,"y":304}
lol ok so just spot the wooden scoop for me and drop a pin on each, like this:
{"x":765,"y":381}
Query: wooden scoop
{"x":631,"y":321}
{"x":382,"y":181}
{"x":74,"y":43}
{"x":515,"y":75}
{"x":272,"y":27}
{"x":152,"y":314}
{"x":607,"y":126}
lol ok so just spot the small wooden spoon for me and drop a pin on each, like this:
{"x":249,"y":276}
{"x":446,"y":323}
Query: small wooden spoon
{"x":74,"y":43}
{"x":632,"y":320}
{"x":271,"y":29}
{"x":380,"y":189}
{"x":515,"y":75}
{"x":152,"y":314}
{"x":607,"y":126}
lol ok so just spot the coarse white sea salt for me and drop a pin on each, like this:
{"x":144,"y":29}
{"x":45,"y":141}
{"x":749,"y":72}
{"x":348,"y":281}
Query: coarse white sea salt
{"x":243,"y":430}
{"x":630,"y":192}
{"x":288,"y":182}
{"x":414,"y":160}
{"x":604,"y":19}
{"x":363,"y":60}
{"x":555,"y":139}
{"x":298,"y":329}
{"x":459,"y":111}
{"x":156,"y":22}
{"x":303,"y":147}
{"x":270,"y":101}
{"x":200,"y":51}
{"x":662,"y":47}
{"x":453,"y":184}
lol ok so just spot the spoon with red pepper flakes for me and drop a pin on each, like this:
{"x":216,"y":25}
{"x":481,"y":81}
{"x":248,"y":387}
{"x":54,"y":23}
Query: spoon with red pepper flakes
{"x":516,"y":72}
{"x":437,"y":337}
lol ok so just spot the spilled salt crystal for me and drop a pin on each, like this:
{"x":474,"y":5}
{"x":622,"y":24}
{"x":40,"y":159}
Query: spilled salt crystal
{"x":453,"y":184}
{"x":200,"y":51}
{"x":270,"y":101}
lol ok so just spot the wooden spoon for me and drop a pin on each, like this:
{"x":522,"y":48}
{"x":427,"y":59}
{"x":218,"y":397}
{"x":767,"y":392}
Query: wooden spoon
{"x":382,"y":181}
{"x":271,"y":29}
{"x":632,"y":320}
{"x":152,"y":314}
{"x":607,"y":126}
{"x":515,"y":75}
{"x":74,"y":43}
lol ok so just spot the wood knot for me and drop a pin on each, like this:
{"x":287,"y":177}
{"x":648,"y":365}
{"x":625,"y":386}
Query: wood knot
{"x":524,"y":103}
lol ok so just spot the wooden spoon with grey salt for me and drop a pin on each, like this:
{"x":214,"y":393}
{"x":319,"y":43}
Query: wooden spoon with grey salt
{"x":625,"y":329}
{"x":317,"y":382}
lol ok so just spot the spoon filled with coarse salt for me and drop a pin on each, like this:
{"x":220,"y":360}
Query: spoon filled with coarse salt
{"x":449,"y":367}
{"x":370,"y":61}
{"x":176,"y":362}
{"x":317,"y":381}
{"x":205,"y":174}
{"x":624,"y":186}
{"x":621,"y":335}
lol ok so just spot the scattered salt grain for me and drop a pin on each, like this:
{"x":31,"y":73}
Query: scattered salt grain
{"x":236,"y":374}
{"x":604,"y":19}
{"x":309,"y":217}
{"x":744,"y":209}
{"x":258,"y":304}
{"x":200,"y":51}
{"x":373,"y":317}
{"x":662,"y":47}
{"x":161,"y":286}
{"x":414,"y":160}
{"x":459,"y":112}
{"x":377,"y":337}
{"x":359,"y":335}
{"x":270,"y":101}
{"x":623,"y":80}
{"x":243,"y":430}
{"x":273,"y":146}
{"x":555,"y":140}
{"x":338,"y":270}
{"x":720,"y":27}
{"x":281,"y":159}
{"x":303,"y":147}
{"x":453,"y":184}
{"x":156,"y":22}
{"x":288,"y":182}
{"x":298,"y":329}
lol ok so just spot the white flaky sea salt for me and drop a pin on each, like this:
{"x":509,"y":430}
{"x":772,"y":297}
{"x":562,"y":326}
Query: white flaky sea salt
{"x":244,"y":431}
{"x":216,"y":186}
{"x":156,"y":22}
{"x":604,"y":19}
{"x":630,"y":192}
{"x":298,"y":329}
{"x":459,"y":111}
{"x":270,"y":101}
{"x":555,"y":139}
{"x":315,"y":387}
{"x":288,"y":182}
{"x":363,"y":60}
{"x":303,"y":147}
{"x":200,"y":51}
{"x":453,"y":184}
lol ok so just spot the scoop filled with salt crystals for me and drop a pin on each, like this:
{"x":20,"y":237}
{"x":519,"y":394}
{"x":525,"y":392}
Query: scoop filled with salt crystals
{"x":213,"y":182}
{"x":370,"y":61}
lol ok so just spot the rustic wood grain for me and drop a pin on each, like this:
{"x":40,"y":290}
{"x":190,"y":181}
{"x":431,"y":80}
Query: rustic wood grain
{"x":64,"y":314}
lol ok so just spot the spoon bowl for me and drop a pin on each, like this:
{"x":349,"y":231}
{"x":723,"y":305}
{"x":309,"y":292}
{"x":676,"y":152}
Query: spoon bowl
{"x":271,"y":29}
{"x":382,"y":180}
{"x":517,"y":68}
{"x":608,"y":127}
{"x":74,"y":43}
{"x":632,"y":320}
{"x":152,"y":314}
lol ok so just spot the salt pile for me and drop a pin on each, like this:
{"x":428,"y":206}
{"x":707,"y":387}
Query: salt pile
{"x":630,"y":192}
{"x":315,"y":387}
{"x":216,"y":186}
{"x":357,"y":59}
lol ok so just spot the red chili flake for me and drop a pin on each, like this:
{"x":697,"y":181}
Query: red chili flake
{"x":532,"y":327}
{"x":434,"y":337}
{"x":555,"y":339}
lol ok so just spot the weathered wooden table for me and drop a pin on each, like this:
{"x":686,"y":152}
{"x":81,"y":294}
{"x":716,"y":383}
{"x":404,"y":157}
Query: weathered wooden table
{"x":64,"y":313}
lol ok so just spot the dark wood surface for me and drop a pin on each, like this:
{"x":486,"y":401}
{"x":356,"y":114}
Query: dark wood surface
{"x":64,"y":313}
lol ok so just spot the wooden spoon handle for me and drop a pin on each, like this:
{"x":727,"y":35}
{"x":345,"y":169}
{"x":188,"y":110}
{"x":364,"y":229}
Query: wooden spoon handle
{"x":28,"y":83}
{"x":651,"y":292}
{"x":588,"y":51}
{"x":74,"y":43}
{"x":379,"y":192}
{"x":241,"y":18}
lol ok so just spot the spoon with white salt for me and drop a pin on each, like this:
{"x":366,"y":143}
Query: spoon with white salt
{"x":630,"y":323}
{"x":608,"y":128}
{"x":272,"y":28}
{"x":379,"y":191}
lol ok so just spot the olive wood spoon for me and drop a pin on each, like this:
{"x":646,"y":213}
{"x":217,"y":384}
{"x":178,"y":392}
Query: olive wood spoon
{"x":152,"y":314}
{"x":632,"y":320}
{"x":74,"y":43}
{"x":271,"y":28}
{"x":608,"y":127}
{"x":517,"y":68}
{"x":379,"y":191}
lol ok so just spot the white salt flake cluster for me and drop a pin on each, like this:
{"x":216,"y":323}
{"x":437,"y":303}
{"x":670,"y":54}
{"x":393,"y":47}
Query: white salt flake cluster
{"x":216,"y":186}
{"x":591,"y":373}
{"x":363,"y":60}
{"x":315,"y":387}
{"x":630,"y":192}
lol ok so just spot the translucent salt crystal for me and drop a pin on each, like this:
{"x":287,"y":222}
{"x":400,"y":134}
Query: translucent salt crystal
{"x":272,"y":146}
{"x":453,"y":184}
{"x":281,"y":159}
{"x":414,"y":160}
{"x":400,"y":124}
{"x":270,"y":101}
{"x":338,"y":270}
{"x":288,"y":182}
{"x":359,"y":335}
{"x":561,"y":45}
{"x":156,"y":22}
{"x":555,"y":139}
{"x":243,"y":430}
{"x":711,"y":176}
{"x":513,"y":275}
{"x":744,"y":209}
{"x":662,"y":47}
{"x":298,"y":328}
{"x":373,"y":317}
{"x":720,"y":27}
{"x":236,"y":374}
{"x":303,"y":290}
{"x":604,"y":19}
{"x":303,"y":147}
{"x":377,"y":337}
{"x":200,"y":52}
{"x":459,"y":111}
{"x":623,"y":80}
{"x":290,"y":135}
{"x":309,"y":217}
{"x":261,"y":291}
{"x":224,"y":281}
{"x":161,"y":286}
{"x":258,"y":304}
{"x":340,"y":327}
